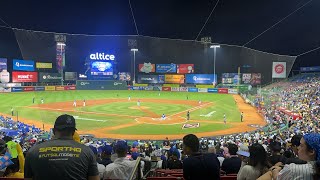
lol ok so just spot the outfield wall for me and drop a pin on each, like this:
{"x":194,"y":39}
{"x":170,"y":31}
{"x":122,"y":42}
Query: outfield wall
{"x":101,"y":85}
{"x":185,"y":89}
{"x":36,"y":88}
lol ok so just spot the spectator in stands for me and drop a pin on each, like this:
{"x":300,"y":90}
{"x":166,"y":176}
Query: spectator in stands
{"x":122,"y":167}
{"x":198,"y":165}
{"x":232,"y":164}
{"x":101,"y":168}
{"x":62,"y":157}
{"x":295,"y":143}
{"x":309,"y":150}
{"x":257,"y":164}
{"x":275,"y":157}
{"x":105,"y":155}
{"x":173,"y":161}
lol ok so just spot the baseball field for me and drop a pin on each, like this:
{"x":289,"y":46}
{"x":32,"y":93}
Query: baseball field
{"x":110,"y":114}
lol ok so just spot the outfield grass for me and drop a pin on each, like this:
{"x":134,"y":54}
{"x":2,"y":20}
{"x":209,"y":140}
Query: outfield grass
{"x":221,"y":104}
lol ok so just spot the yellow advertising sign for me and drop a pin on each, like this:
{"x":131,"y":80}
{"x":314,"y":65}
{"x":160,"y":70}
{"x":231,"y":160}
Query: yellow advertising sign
{"x":50,"y":88}
{"x":59,"y":88}
{"x":174,"y":78}
{"x":40,"y":65}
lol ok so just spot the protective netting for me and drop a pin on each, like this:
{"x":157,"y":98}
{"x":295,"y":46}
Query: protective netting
{"x":40,"y":46}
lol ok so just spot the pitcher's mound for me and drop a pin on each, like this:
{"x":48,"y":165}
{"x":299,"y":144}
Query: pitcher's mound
{"x":139,"y":107}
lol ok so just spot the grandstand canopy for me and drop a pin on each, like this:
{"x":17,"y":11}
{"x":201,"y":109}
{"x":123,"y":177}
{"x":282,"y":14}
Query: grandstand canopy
{"x":289,"y":27}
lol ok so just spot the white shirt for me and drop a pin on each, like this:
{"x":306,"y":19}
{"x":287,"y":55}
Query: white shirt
{"x":121,"y":168}
{"x":297,"y":171}
{"x":101,"y":169}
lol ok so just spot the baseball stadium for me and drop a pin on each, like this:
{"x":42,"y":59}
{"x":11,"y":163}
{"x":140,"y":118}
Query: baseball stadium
{"x":135,"y":94}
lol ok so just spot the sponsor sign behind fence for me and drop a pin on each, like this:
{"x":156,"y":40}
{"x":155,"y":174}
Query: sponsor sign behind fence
{"x":3,"y":64}
{"x":23,"y":65}
{"x":200,"y":78}
{"x":5,"y":89}
{"x":59,"y":88}
{"x":302,"y":69}
{"x":70,"y":76}
{"x":175,"y":89}
{"x":39,"y":88}
{"x":222,"y":90}
{"x":28,"y":88}
{"x":147,"y":67}
{"x":174,"y":79}
{"x":185,"y":68}
{"x":148,"y":88}
{"x":166,"y":88}
{"x":150,"y":79}
{"x":17,"y":89}
{"x":24,"y":76}
{"x":212,"y":90}
{"x":279,"y":70}
{"x":166,"y":68}
{"x":41,"y":65}
{"x":49,"y":77}
{"x":183,"y":89}
{"x":232,"y":91}
{"x":49,"y":88}
{"x":192,"y":89}
{"x":203,"y":90}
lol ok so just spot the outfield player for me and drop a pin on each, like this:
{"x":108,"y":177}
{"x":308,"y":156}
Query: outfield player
{"x":84,"y":103}
{"x":129,"y":98}
{"x":224,"y":118}
{"x":42,"y":100}
{"x":163,"y":117}
{"x":188,"y":115}
{"x":200,"y":102}
{"x":159,"y":93}
{"x":33,"y":99}
{"x":11,"y":111}
{"x":75,"y":103}
{"x":138,"y":103}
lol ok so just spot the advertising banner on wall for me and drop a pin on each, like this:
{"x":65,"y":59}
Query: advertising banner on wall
{"x":185,"y":68}
{"x":124,"y":76}
{"x":41,"y":65}
{"x":230,"y":78}
{"x":49,"y":88}
{"x":17,"y":89}
{"x":253,"y":79}
{"x":204,"y":90}
{"x":192,"y":89}
{"x":49,"y":77}
{"x":24,"y":76}
{"x":200,"y":78}
{"x":147,"y":68}
{"x":174,"y":78}
{"x":302,"y":69}
{"x":23,"y":65}
{"x":70,"y":76}
{"x":279,"y":70}
{"x":183,"y":89}
{"x":166,"y":68}
{"x":3,"y":64}
{"x":175,"y":88}
{"x":150,"y":79}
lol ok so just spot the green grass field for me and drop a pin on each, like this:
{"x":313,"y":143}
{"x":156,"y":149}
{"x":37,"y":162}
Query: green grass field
{"x":97,"y":116}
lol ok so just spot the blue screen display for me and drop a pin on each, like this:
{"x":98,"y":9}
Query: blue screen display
{"x":101,"y":68}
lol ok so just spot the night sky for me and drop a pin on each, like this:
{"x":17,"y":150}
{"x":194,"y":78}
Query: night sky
{"x":233,"y":21}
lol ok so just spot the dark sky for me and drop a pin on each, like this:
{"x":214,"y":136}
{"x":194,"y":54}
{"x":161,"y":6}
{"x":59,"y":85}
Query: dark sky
{"x":233,"y":21}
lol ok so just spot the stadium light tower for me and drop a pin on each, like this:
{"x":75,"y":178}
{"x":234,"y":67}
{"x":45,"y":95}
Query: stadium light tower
{"x":214,"y":47}
{"x":134,"y":64}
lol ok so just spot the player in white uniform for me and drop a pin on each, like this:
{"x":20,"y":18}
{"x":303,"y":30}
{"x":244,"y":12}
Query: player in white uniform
{"x":163,"y":117}
{"x":224,"y":118}
{"x":84,"y":103}
{"x":129,"y":98}
{"x":138,"y":103}
{"x":74,"y":103}
{"x":42,"y":101}
{"x":200,"y":102}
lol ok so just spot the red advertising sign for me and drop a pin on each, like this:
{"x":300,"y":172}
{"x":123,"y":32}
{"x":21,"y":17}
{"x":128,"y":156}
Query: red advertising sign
{"x":223,"y":90}
{"x":24,"y":76}
{"x":28,"y":89}
{"x":166,"y":88}
{"x":185,"y":68}
{"x":69,"y":87}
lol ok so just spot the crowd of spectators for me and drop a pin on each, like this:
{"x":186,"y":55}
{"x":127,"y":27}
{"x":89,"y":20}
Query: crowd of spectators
{"x":288,"y":149}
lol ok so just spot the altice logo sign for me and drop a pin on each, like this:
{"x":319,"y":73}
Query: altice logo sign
{"x":102,"y":56}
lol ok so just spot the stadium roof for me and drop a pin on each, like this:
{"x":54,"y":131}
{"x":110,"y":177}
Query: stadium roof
{"x":283,"y":27}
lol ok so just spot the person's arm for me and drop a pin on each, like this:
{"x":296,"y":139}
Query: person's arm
{"x":243,"y":172}
{"x":93,"y":173}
